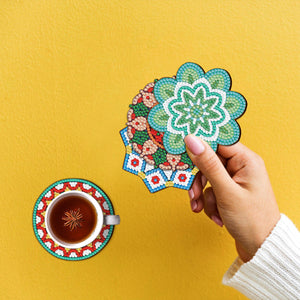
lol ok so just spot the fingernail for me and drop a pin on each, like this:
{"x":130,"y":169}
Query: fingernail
{"x":194,"y":144}
{"x":191,"y":194}
{"x":193,"y":204}
{"x":203,"y":180}
{"x":217,"y":220}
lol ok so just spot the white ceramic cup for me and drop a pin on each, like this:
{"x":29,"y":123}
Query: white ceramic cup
{"x":101,"y":219}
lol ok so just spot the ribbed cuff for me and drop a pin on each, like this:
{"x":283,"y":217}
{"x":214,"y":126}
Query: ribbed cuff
{"x":274,"y":271}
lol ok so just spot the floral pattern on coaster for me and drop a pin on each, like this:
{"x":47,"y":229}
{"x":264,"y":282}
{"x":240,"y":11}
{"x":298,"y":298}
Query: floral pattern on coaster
{"x":50,"y":194}
{"x":196,"y":103}
{"x":167,"y":110}
{"x":155,"y":178}
{"x":148,"y":142}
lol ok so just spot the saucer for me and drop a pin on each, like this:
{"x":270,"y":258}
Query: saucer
{"x":39,"y":212}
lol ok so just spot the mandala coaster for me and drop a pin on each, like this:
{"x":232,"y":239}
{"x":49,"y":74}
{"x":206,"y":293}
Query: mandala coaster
{"x":49,"y":195}
{"x":167,"y":110}
{"x":155,"y":178}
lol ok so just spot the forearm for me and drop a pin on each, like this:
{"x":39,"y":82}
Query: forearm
{"x":274,"y":271}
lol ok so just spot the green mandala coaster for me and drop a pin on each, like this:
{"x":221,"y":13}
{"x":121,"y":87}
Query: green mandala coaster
{"x":199,"y":103}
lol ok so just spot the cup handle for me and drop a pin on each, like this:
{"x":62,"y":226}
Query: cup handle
{"x":111,"y":220}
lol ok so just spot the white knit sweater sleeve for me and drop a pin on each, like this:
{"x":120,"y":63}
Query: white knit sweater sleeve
{"x":274,"y":271}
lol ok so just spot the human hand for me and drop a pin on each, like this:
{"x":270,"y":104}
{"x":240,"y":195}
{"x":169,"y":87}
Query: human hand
{"x":240,"y":196}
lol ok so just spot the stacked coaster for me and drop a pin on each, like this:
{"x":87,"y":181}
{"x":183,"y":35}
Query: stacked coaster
{"x":167,"y":110}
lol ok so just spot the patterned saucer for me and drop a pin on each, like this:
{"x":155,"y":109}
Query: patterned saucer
{"x":54,"y":190}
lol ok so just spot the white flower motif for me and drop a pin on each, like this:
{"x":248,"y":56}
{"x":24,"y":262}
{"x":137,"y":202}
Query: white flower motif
{"x":49,"y":194}
{"x":48,"y":244}
{"x":105,"y":206}
{"x":97,"y":245}
{"x":86,"y":186}
{"x":86,"y":252}
{"x":193,"y":122}
{"x":105,"y":233}
{"x":41,"y":205}
{"x":59,"y":186}
{"x":40,"y":233}
{"x":59,"y":252}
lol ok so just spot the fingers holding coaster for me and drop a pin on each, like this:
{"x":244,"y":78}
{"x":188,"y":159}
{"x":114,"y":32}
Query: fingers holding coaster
{"x":196,"y":193}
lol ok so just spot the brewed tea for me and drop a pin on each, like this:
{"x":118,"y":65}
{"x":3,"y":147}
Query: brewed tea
{"x":73,"y":219}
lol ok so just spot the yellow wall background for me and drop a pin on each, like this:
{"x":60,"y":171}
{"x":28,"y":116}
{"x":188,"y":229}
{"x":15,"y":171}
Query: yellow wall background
{"x":69,"y":70}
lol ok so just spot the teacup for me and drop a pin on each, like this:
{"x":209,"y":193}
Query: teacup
{"x":74,"y":219}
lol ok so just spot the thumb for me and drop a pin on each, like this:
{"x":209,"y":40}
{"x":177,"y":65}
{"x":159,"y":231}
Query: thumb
{"x":207,"y":161}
